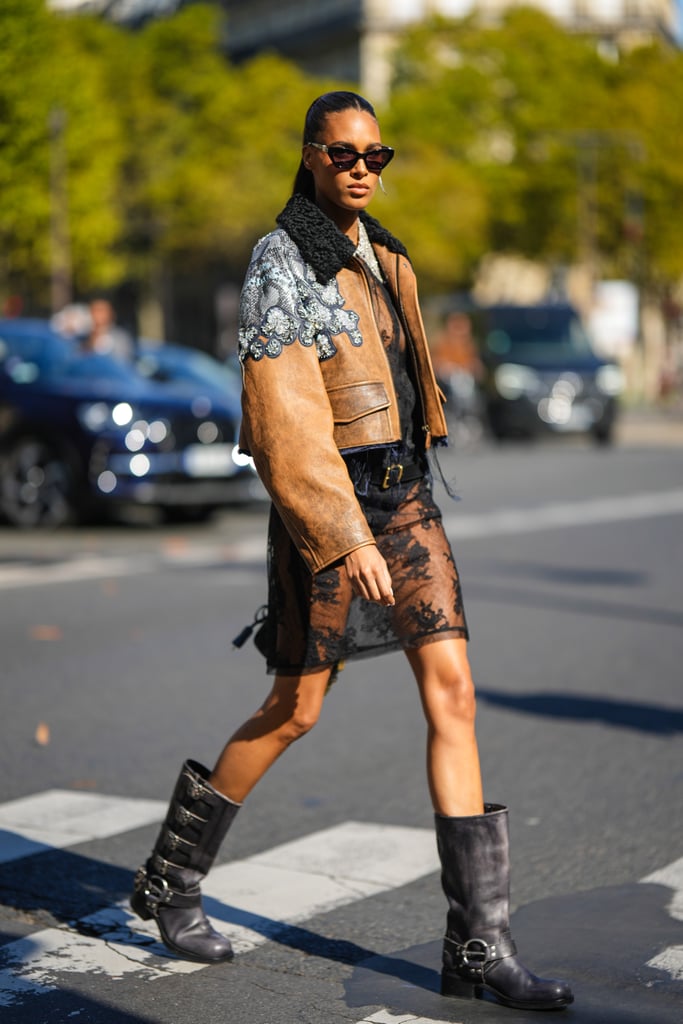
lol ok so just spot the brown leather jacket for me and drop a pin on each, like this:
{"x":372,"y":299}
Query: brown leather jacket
{"x":316,"y":378}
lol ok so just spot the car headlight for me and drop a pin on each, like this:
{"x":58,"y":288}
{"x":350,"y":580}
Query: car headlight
{"x":512,"y":380}
{"x":99,"y":416}
{"x":610,"y":379}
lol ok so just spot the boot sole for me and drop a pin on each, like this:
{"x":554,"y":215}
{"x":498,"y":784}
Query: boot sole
{"x":454,"y":987}
{"x":184,"y":954}
{"x":139,"y":907}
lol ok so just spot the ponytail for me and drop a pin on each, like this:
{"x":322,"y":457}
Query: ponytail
{"x":303,"y":183}
{"x":328,"y":103}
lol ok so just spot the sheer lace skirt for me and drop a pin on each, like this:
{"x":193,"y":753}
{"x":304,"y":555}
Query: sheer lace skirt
{"x":315,"y":621}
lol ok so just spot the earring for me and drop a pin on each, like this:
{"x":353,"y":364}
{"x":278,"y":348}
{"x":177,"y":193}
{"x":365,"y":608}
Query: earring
{"x":381,"y":185}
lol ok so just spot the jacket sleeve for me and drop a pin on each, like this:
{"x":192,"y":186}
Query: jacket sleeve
{"x":288,"y":425}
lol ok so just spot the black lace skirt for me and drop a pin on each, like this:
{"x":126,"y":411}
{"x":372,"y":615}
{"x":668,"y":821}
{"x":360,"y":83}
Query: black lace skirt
{"x":315,"y":621}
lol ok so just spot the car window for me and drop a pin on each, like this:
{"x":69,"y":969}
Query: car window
{"x":27,"y":357}
{"x":91,"y":365}
{"x":518,"y":332}
{"x":175,"y":364}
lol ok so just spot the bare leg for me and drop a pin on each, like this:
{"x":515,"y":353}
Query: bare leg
{"x":446,"y":689}
{"x":291,"y":709}
{"x":199,"y":816}
{"x":473,"y":846}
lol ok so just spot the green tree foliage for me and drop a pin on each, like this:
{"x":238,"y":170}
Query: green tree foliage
{"x":95,"y":144}
{"x":519,"y":137}
{"x":575,"y":152}
{"x":171,"y":156}
{"x":211,"y":145}
{"x":650,"y":111}
{"x":61,"y":142}
{"x":25,"y":46}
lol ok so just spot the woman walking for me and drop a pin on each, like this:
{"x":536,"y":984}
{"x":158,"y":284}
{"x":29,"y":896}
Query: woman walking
{"x":340,"y":410}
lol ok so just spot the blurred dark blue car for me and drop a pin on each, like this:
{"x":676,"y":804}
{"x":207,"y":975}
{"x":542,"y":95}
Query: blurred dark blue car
{"x":180,"y":365}
{"x":81,"y":431}
{"x":542,"y":375}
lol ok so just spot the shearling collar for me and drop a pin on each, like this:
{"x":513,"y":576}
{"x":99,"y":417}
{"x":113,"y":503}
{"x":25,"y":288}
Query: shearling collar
{"x":321,"y":243}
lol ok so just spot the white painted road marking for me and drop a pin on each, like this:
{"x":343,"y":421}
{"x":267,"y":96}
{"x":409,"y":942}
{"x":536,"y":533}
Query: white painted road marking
{"x":671,"y":877}
{"x":91,"y":567}
{"x":252,"y":900}
{"x":257,"y":897}
{"x":504,"y":522}
{"x":671,"y":959}
{"x":564,"y":514}
{"x":87,"y":567}
{"x":64,"y":817}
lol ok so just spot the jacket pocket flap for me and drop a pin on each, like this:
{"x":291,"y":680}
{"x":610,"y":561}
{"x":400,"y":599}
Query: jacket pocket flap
{"x":353,"y":401}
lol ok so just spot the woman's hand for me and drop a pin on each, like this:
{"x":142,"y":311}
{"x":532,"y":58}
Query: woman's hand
{"x":369,"y":575}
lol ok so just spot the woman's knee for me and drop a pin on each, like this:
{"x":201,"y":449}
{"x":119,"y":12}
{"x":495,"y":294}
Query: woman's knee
{"x":453,"y":696}
{"x":446,"y":686}
{"x":298,"y":724}
{"x":294,"y":709}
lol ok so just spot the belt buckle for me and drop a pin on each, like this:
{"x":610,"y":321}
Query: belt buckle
{"x":393,"y":475}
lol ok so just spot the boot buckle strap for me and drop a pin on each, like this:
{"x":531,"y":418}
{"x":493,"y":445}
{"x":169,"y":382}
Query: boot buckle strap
{"x":157,"y":892}
{"x":183,"y":816}
{"x":161,"y":864}
{"x":476,"y":953}
{"x":197,"y":789}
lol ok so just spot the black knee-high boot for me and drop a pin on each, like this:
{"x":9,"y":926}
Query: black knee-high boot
{"x":479,"y":953}
{"x":167,"y":886}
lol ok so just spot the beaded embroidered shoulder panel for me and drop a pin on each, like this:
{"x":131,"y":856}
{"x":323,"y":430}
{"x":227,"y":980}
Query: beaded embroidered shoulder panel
{"x":283,"y":302}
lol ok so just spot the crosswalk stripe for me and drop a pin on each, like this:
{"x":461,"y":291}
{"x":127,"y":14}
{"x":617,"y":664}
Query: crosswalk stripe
{"x":58,"y":818}
{"x":670,"y":959}
{"x":252,"y":900}
{"x":672,"y":877}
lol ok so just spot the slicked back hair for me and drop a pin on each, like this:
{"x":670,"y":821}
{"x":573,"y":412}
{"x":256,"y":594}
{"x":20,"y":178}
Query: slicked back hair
{"x":316,"y":115}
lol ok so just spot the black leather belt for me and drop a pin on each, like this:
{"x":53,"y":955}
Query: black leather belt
{"x":397,"y":473}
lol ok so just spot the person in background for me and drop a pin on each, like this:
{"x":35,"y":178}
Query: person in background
{"x":13,"y":306}
{"x":341,"y":411}
{"x":73,"y":322}
{"x":105,"y":336}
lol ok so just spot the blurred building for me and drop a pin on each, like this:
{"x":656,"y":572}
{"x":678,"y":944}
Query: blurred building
{"x":352,"y":39}
{"x":127,"y":12}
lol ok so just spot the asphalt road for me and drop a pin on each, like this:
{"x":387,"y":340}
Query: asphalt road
{"x":117,"y":663}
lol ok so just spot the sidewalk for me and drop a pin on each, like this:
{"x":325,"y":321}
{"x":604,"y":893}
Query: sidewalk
{"x":653,"y":426}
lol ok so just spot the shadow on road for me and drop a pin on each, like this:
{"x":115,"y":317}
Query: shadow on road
{"x":604,"y":941}
{"x":600,"y":941}
{"x":650,"y":718}
{"x":64,"y":1006}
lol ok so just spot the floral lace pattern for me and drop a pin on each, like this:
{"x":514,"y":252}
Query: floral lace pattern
{"x":283,"y":302}
{"x":315,"y":620}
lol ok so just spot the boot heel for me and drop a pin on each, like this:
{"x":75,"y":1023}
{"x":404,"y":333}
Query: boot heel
{"x":138,"y":905}
{"x":452,"y":985}
{"x":166,"y":887}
